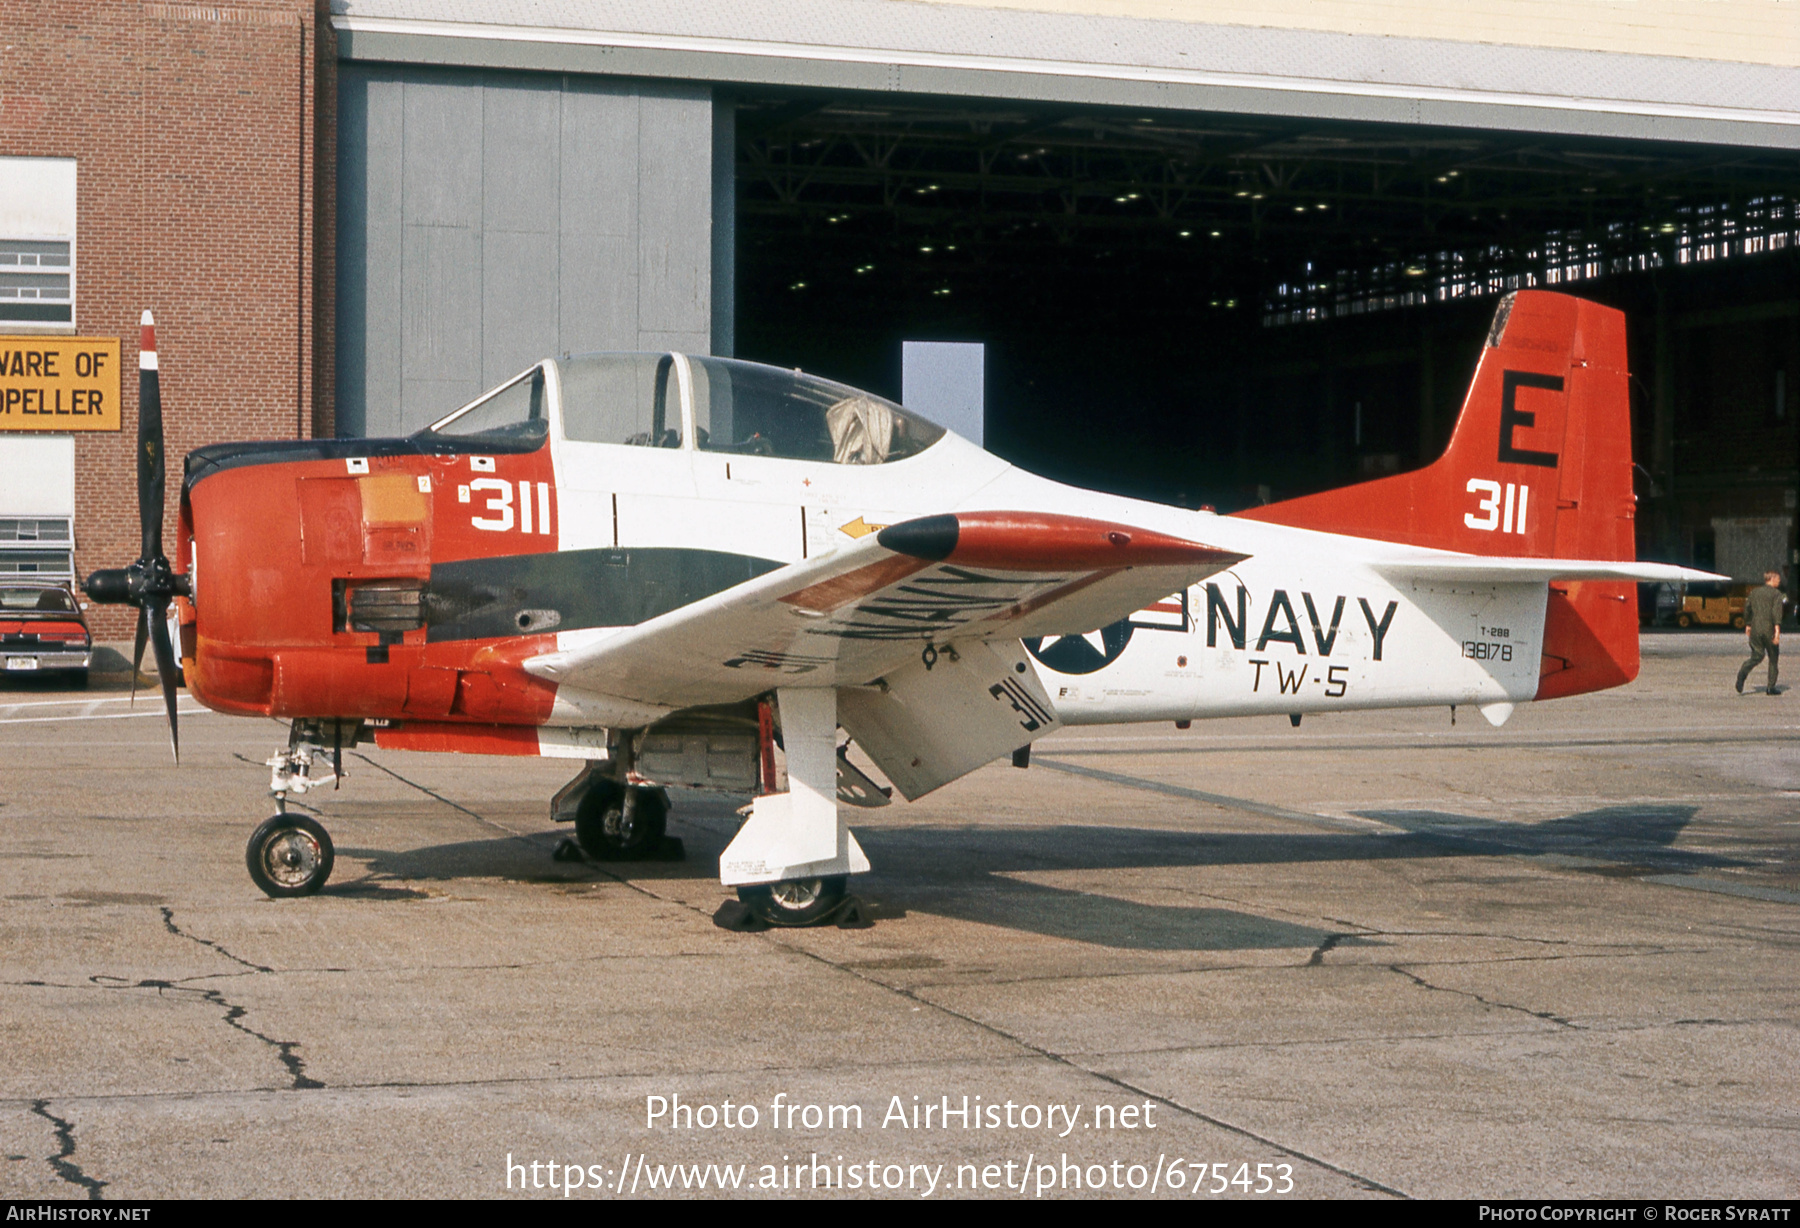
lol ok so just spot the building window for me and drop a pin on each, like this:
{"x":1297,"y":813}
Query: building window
{"x":36,"y":282}
{"x":36,"y":547}
{"x":37,"y":245}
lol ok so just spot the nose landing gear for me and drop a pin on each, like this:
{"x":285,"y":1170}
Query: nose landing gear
{"x":290,"y":854}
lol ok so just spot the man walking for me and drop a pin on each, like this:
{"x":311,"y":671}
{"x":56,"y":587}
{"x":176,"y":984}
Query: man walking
{"x":1762,"y":614}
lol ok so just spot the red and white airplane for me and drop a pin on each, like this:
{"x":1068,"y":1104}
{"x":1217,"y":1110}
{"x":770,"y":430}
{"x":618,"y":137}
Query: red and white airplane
{"x":659,"y":565}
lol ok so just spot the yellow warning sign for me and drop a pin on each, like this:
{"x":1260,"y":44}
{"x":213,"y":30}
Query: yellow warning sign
{"x":59,"y":384}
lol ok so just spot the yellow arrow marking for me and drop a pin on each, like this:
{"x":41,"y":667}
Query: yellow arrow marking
{"x":860,"y":528}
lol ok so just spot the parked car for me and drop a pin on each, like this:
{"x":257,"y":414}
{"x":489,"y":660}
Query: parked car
{"x":42,"y":628}
{"x":1714,"y":604}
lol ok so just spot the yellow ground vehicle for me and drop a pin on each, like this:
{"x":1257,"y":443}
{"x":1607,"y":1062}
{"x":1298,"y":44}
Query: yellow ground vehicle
{"x":1714,"y":605}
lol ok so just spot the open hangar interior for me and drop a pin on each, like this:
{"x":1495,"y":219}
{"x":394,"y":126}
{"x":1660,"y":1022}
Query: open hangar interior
{"x":1214,"y":308}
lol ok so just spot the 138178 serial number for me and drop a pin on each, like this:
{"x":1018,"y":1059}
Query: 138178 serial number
{"x":1486,"y":650}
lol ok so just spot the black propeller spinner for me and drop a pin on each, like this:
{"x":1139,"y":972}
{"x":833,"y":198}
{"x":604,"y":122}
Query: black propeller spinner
{"x":150,"y":583}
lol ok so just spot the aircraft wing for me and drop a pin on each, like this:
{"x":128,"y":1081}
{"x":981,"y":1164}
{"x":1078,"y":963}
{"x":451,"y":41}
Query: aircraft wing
{"x":1482,"y":569}
{"x":893,"y":598}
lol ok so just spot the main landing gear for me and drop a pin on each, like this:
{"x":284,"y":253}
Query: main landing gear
{"x":617,"y":822}
{"x":796,"y":901}
{"x":791,"y":859}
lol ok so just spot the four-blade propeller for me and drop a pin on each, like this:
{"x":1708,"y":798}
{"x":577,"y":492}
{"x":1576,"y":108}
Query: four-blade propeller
{"x":150,"y":583}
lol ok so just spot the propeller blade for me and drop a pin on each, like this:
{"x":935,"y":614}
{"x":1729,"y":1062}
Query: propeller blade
{"x":150,"y":441}
{"x":166,"y":665}
{"x":137,"y":653}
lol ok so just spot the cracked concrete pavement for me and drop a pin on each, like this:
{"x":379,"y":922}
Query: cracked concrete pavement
{"x":1402,"y":957}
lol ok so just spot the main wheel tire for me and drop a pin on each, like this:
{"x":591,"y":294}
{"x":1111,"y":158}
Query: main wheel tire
{"x":607,"y":833}
{"x":796,"y":901}
{"x":289,"y":855}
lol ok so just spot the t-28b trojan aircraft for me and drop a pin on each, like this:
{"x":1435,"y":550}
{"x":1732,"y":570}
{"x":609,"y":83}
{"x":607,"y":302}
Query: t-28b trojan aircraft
{"x":661,"y":565}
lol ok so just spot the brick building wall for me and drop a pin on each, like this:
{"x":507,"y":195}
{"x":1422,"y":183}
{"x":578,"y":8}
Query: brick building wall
{"x":193,"y":126}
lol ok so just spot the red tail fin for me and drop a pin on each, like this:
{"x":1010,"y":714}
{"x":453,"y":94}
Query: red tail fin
{"x":1539,"y":466}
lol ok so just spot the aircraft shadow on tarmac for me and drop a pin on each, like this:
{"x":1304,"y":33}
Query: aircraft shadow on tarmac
{"x":968,"y":873}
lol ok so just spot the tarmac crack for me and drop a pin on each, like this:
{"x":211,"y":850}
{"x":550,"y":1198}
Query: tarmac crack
{"x":1330,"y":941}
{"x":168,"y":916}
{"x":286,"y":1051}
{"x":1422,"y":983}
{"x":63,"y":1162}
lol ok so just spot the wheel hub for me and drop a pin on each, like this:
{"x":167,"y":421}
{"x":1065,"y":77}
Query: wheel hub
{"x":797,"y":894}
{"x":291,"y":858}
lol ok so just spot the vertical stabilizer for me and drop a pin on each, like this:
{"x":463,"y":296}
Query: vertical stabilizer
{"x":1539,"y":466}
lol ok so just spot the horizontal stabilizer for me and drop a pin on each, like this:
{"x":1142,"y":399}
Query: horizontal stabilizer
{"x":1487,"y":569}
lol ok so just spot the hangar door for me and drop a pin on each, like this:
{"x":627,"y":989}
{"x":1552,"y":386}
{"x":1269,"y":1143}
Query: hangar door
{"x":489,"y":219}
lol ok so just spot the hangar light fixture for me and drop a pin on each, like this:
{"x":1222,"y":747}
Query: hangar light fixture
{"x":941,"y":292}
{"x":865,"y":268}
{"x":799,"y":285}
{"x":1186,"y":234}
{"x":1215,"y":234}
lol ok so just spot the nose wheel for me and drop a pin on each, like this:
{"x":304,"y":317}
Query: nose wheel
{"x":289,"y":855}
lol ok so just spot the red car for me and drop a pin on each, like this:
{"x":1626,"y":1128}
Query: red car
{"x":42,"y":628}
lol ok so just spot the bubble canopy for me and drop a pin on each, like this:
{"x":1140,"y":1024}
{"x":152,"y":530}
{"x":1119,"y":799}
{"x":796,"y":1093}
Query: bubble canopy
{"x":704,"y":404}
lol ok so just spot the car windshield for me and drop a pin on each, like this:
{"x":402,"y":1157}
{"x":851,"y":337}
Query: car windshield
{"x":47,"y":599}
{"x":754,"y":410}
{"x":511,"y":418}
